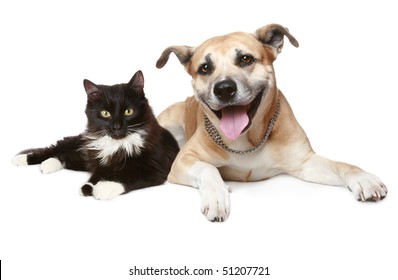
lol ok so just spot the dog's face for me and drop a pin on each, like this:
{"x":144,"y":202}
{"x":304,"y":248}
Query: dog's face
{"x":231,"y":74}
{"x":230,"y":71}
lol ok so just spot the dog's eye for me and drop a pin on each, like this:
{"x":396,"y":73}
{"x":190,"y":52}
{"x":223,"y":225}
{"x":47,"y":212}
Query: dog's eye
{"x":246,"y":60}
{"x":205,"y":69}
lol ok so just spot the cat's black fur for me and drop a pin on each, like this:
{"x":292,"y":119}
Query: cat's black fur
{"x":115,"y":114}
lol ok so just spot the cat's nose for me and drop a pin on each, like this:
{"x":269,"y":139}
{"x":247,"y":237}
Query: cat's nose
{"x":117,"y":132}
{"x":116,"y":126}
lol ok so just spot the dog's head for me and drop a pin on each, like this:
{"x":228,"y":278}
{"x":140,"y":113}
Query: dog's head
{"x":232,"y":74}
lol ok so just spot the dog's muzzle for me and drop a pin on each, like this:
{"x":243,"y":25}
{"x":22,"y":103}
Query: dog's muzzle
{"x":234,"y":118}
{"x":225,"y":90}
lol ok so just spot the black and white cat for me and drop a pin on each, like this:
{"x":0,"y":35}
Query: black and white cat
{"x":123,"y":146}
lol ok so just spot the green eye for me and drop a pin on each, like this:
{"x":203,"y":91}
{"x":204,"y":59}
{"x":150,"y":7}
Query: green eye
{"x":105,"y":114}
{"x":128,"y":112}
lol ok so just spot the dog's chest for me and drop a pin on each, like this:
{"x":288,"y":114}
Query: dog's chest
{"x":252,"y":167}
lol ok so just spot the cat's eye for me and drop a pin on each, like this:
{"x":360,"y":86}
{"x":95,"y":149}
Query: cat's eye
{"x":128,"y":112}
{"x":105,"y":114}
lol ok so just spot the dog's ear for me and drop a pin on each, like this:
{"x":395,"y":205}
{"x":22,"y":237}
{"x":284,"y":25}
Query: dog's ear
{"x":272,"y":35}
{"x":183,"y":53}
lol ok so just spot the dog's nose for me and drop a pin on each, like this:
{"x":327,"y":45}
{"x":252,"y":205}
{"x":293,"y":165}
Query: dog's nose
{"x":225,"y":90}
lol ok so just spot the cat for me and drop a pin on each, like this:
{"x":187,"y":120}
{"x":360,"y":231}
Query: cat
{"x":123,"y":145}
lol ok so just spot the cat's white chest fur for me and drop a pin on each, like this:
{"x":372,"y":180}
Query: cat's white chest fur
{"x":107,"y":146}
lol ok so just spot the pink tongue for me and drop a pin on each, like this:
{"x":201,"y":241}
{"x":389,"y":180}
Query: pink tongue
{"x":234,"y":119}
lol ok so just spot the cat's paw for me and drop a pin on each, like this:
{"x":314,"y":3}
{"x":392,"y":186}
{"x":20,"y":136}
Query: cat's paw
{"x":87,"y":189}
{"x":50,"y":165}
{"x":105,"y":190}
{"x":20,"y":160}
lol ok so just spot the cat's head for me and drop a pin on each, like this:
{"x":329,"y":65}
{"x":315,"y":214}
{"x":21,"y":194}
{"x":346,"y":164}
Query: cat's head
{"x":119,"y":110}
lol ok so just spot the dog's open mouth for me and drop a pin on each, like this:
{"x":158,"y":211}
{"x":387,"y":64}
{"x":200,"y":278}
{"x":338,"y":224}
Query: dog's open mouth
{"x":234,"y":120}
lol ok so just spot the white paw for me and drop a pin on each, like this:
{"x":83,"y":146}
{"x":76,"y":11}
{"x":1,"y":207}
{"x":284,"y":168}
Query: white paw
{"x":20,"y":160}
{"x":50,"y":165}
{"x":367,"y":187}
{"x":105,"y":190}
{"x":215,"y":202}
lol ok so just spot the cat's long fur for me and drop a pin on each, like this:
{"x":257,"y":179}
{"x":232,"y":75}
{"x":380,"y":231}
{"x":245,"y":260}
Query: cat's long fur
{"x":123,"y":152}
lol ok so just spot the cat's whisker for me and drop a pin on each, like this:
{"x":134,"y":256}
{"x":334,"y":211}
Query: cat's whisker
{"x":132,"y":131}
{"x":150,"y":145}
{"x":137,"y":124}
{"x":97,"y":134}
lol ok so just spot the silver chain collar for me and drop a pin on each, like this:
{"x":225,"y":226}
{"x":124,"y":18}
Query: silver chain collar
{"x":215,"y":136}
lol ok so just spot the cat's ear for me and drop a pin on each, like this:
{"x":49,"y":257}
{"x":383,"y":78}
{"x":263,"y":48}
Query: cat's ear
{"x":92,"y":90}
{"x":137,"y":82}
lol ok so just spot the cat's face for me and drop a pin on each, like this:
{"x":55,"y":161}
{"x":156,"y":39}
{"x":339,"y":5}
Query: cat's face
{"x":116,"y":111}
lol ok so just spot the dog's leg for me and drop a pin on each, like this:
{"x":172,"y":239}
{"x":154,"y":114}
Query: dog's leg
{"x":365,"y":186}
{"x":215,"y":200}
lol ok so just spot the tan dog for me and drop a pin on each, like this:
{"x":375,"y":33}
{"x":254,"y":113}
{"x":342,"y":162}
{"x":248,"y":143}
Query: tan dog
{"x":240,"y":127}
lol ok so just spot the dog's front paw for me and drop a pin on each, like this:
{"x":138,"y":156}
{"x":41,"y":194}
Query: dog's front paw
{"x":367,"y":187}
{"x":215,"y":203}
{"x":105,"y":190}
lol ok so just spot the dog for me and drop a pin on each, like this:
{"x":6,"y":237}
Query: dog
{"x":239,"y":126}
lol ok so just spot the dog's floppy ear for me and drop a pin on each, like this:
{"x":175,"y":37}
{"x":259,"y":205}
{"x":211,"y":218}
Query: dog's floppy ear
{"x":272,"y":35}
{"x":183,"y":53}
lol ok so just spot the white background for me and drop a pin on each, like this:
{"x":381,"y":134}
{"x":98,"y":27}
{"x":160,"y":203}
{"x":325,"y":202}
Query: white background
{"x":341,"y":83}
